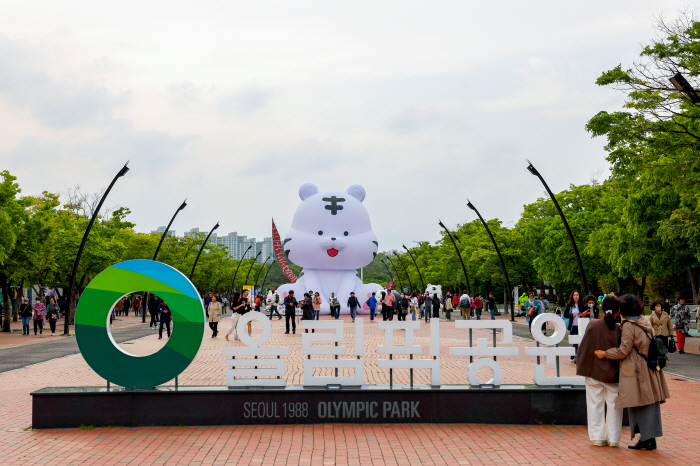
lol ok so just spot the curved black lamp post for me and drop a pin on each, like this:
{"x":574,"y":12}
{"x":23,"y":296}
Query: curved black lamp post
{"x":459,"y":254}
{"x":582,"y":274}
{"x":404,"y":269}
{"x":397,"y":271}
{"x":414,"y":263}
{"x":155,"y":256}
{"x":388,"y":270}
{"x":71,"y":283}
{"x":500,"y":258}
{"x":200,"y":249}
{"x":251,"y":268}
{"x":260,"y":271}
{"x":233,"y":283}
{"x":265,"y":278}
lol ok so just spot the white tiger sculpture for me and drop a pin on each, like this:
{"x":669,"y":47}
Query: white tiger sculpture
{"x":331,"y":237}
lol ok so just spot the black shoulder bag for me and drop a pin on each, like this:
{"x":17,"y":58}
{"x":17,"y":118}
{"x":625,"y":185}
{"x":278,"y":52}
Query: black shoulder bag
{"x":657,"y":358}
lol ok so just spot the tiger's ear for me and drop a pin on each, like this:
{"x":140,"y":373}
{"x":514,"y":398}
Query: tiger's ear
{"x":356,"y":191}
{"x":307,"y":190}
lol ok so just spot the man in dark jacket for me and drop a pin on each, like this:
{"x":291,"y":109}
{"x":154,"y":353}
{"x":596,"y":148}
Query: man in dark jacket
{"x":165,"y":317}
{"x":25,"y":311}
{"x":492,"y":306}
{"x":290,"y":306}
{"x":353,"y":304}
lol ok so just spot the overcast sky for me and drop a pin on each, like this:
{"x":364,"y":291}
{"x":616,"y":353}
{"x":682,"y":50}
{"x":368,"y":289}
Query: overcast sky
{"x":235,"y":104}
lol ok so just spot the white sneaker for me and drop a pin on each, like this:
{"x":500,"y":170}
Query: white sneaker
{"x":53,"y":334}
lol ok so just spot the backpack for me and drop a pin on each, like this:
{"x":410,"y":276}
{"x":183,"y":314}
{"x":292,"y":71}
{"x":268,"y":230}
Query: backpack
{"x":465,"y":302}
{"x":657,"y":359}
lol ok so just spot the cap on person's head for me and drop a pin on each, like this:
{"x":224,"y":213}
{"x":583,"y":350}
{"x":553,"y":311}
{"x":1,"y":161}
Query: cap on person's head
{"x":26,"y":300}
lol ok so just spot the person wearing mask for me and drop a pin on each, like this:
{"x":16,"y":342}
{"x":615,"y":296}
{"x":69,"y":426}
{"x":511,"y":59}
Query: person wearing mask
{"x":119,"y":307}
{"x":436,"y":306}
{"x":307,"y":310}
{"x":214,"y":316}
{"x":449,"y":305}
{"x":274,"y":305}
{"x":572,"y":312}
{"x":601,"y":376}
{"x":52,"y":315}
{"x":641,"y":389}
{"x":428,"y":306}
{"x":661,"y":322}
{"x":465,"y":304}
{"x":317,"y":306}
{"x":137,"y":305}
{"x":666,"y":306}
{"x":388,"y":305}
{"x":335,"y":306}
{"x":235,"y":315}
{"x":25,"y":310}
{"x":591,"y":309}
{"x":492,"y":305}
{"x":414,"y":305}
{"x":372,"y":303}
{"x":165,"y":318}
{"x":680,"y":316}
{"x":290,"y":306}
{"x":39,"y":309}
{"x":353,"y":304}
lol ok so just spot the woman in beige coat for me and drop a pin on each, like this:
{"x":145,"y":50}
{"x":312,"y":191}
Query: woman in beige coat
{"x":214,"y":316}
{"x":641,"y":389}
{"x":660,"y":322}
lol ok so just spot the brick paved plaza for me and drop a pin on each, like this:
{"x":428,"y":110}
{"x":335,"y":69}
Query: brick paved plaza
{"x":324,"y":444}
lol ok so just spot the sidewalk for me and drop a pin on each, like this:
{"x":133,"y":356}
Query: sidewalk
{"x":325,"y":444}
{"x":15,"y":337}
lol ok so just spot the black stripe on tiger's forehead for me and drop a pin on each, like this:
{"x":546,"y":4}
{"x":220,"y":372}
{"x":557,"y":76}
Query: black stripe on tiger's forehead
{"x":333,"y":206}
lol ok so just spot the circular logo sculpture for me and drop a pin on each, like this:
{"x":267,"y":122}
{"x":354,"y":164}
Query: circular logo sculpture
{"x":100,"y":350}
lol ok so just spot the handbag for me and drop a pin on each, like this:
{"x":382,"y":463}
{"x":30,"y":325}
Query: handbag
{"x":672,"y":345}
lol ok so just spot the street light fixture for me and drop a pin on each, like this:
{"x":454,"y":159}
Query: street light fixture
{"x":582,"y":274}
{"x":260,"y":271}
{"x":397,"y":271}
{"x":71,"y":283}
{"x":233,"y":283}
{"x":680,"y":83}
{"x":459,"y":254}
{"x":155,"y":256}
{"x":262,"y":287}
{"x":500,"y":258}
{"x":201,"y":248}
{"x":251,"y":267}
{"x":404,"y":269}
{"x":414,"y":263}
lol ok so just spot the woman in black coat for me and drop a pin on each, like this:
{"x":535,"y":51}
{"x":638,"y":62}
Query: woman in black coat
{"x":436,"y":306}
{"x":307,"y":310}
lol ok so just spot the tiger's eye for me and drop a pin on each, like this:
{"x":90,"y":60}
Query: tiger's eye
{"x":320,"y":232}
{"x":345,"y":233}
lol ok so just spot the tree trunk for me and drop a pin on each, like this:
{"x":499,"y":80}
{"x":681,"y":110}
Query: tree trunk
{"x":640,"y":289}
{"x":695,"y":283}
{"x":7,"y":302}
{"x":620,"y":282}
{"x":560,"y":292}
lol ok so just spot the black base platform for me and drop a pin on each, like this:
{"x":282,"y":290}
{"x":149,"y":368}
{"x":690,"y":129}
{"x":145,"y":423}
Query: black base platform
{"x":370,"y":404}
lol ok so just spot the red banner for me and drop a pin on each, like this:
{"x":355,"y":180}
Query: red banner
{"x":279,"y":254}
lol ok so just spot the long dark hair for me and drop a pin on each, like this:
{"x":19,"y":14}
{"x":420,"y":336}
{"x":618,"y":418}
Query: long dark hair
{"x":571,"y":299}
{"x":236,"y":298}
{"x":630,"y":306}
{"x":610,"y":303}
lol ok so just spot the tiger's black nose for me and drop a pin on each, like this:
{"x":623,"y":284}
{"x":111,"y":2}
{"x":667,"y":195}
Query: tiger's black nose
{"x":332,"y":239}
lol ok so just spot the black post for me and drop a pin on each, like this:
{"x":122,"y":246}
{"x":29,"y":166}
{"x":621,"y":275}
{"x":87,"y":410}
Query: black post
{"x":397,"y":271}
{"x":404,"y":269}
{"x":265,"y":278}
{"x":233,"y":283}
{"x":500,"y":258}
{"x":155,"y":256}
{"x":388,"y":270}
{"x":251,"y":268}
{"x":71,"y":283}
{"x":582,"y":274}
{"x":260,"y":271}
{"x":200,"y":249}
{"x":414,"y":263}
{"x":459,"y":254}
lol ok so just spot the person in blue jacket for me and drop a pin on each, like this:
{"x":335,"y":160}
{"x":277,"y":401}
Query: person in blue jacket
{"x":533,"y":308}
{"x":372,"y":303}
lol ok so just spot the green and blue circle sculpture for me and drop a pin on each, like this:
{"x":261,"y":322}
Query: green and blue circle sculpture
{"x":96,"y":343}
